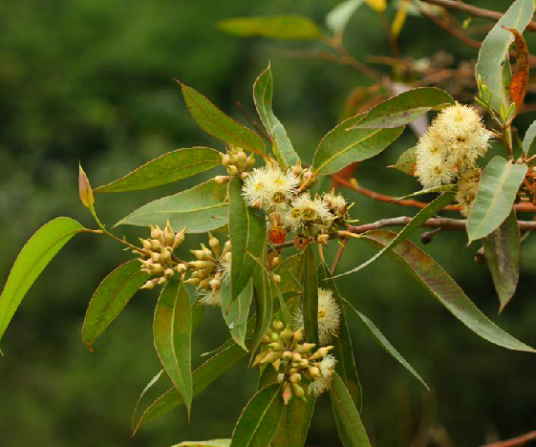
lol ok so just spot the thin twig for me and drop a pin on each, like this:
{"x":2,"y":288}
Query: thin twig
{"x":520,"y":440}
{"x":338,"y":256}
{"x":253,"y":121}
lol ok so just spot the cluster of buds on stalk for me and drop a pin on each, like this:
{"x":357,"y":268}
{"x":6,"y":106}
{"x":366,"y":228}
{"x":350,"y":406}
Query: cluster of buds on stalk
{"x":237,"y":163}
{"x":157,"y":255}
{"x":306,"y":176}
{"x":296,"y":362}
{"x":210,"y":269}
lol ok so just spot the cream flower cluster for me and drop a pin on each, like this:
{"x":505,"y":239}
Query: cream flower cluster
{"x":296,"y":362}
{"x":329,"y":317}
{"x":278,"y":193}
{"x":451,"y":146}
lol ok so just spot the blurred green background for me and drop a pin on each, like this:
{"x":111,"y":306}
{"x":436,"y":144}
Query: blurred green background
{"x":92,"y":80}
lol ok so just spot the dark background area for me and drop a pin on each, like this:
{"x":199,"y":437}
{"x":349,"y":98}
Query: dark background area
{"x":92,"y":80}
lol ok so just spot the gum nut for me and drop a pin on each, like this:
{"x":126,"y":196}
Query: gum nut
{"x":277,"y":325}
{"x":295,"y":378}
{"x":168,"y":273}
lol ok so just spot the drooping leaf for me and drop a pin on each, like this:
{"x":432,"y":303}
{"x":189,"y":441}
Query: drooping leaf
{"x":422,"y":192}
{"x":248,"y":238}
{"x":528,"y":140}
{"x":173,"y":337}
{"x":348,"y":416}
{"x":310,"y":295}
{"x":338,"y":17}
{"x":31,"y":261}
{"x":236,"y":312}
{"x":264,"y":306}
{"x":259,"y":420}
{"x":406,"y":162}
{"x":502,"y":248}
{"x":165,"y":169}
{"x":213,"y":443}
{"x":343,"y":352}
{"x":208,"y":372}
{"x":495,"y":197}
{"x":493,"y":54}
{"x":442,"y":287}
{"x":110,"y":298}
{"x":345,"y":145}
{"x":221,"y":126}
{"x":199,"y":209}
{"x":262,"y":94}
{"x":520,"y":79}
{"x":295,"y":423}
{"x":384,"y":343}
{"x":292,"y":27}
{"x":422,"y":216}
{"x":151,"y":383}
{"x":404,"y":108}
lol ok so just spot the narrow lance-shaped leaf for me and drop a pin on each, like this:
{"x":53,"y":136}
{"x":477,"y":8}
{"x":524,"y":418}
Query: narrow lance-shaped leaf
{"x":165,"y":169}
{"x":528,"y":140}
{"x":338,"y":17}
{"x":348,"y":416}
{"x":277,"y":27}
{"x":444,"y":289}
{"x":248,"y":238}
{"x":310,"y":295}
{"x":236,"y":312}
{"x":404,"y":108}
{"x":151,"y":383}
{"x":199,"y":209}
{"x":264,"y":305}
{"x":495,"y":197}
{"x":110,"y":298}
{"x":173,"y":337}
{"x":502,"y":248}
{"x":345,"y":145}
{"x":262,"y":94}
{"x":435,"y":189}
{"x":494,"y":52}
{"x":259,"y":420}
{"x":384,"y":343}
{"x":422,"y":216}
{"x":221,"y":126}
{"x":31,"y":261}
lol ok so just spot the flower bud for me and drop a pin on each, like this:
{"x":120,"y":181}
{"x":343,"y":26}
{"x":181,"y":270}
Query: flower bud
{"x":192,"y":281}
{"x":214,"y":284}
{"x":156,"y":269}
{"x":155,"y":257}
{"x":275,"y":346}
{"x":321,"y":353}
{"x":276,"y":261}
{"x":287,"y":394}
{"x":169,"y":235}
{"x":297,"y":169}
{"x":169,"y":273}
{"x":298,"y":391}
{"x":156,"y":245}
{"x":84,"y":189}
{"x":314,"y":371}
{"x":250,"y":161}
{"x":323,"y":239}
{"x":225,"y":159}
{"x":181,"y":268}
{"x":276,"y":278}
{"x":233,"y":158}
{"x":304,"y":363}
{"x":205,"y":284}
{"x":277,"y":364}
{"x":146,"y":244}
{"x":162,"y":281}
{"x":287,"y":334}
{"x":298,"y":336}
{"x":275,"y":337}
{"x":179,"y":238}
{"x":287,"y":356}
{"x":156,"y":232}
{"x":227,"y":247}
{"x":221,"y":179}
{"x":296,"y":357}
{"x":232,"y":170}
{"x":305,"y":348}
{"x":214,"y":243}
{"x":165,"y":256}
{"x":295,"y":378}
{"x":227,"y":257}
{"x":277,"y":325}
{"x":149,"y":285}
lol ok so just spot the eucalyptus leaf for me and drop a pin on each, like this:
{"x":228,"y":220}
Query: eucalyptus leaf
{"x":291,"y":27}
{"x":236,"y":312}
{"x":264,"y":305}
{"x":221,"y":126}
{"x":422,"y":192}
{"x":31,"y":261}
{"x":493,"y":55}
{"x":295,"y":423}
{"x":310,"y":295}
{"x":495,"y":197}
{"x":442,"y":287}
{"x":338,"y":18}
{"x":199,"y":209}
{"x":213,"y":443}
{"x":528,"y":139}
{"x":110,"y":298}
{"x":345,"y":145}
{"x":406,"y":162}
{"x":165,"y":169}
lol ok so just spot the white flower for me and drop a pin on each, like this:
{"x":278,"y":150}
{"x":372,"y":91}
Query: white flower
{"x":323,"y":383}
{"x":269,"y":187}
{"x":336,"y":203}
{"x":208,"y":297}
{"x":304,"y":210}
{"x":327,"y":365}
{"x":329,"y":317}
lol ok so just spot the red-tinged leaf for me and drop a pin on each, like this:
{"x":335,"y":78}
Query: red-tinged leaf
{"x":520,"y":79}
{"x":502,"y":254}
{"x":110,"y":298}
{"x":442,"y":287}
{"x":406,"y":162}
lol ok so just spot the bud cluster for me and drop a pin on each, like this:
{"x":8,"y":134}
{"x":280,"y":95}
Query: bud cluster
{"x":210,"y":269}
{"x":296,"y":362}
{"x":236,"y":162}
{"x":157,"y":255}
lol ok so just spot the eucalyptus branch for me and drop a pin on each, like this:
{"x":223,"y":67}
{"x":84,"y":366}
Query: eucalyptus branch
{"x":338,"y":256}
{"x":520,"y":440}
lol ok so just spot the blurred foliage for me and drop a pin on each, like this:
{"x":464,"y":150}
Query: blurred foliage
{"x":92,"y":80}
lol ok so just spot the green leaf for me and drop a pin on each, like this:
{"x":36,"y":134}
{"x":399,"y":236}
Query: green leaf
{"x":384,"y":343}
{"x":292,"y":27}
{"x":404,"y":108}
{"x":528,"y":140}
{"x":347,"y":414}
{"x":406,"y":162}
{"x":420,"y":218}
{"x":343,"y":352}
{"x":110,"y":298}
{"x":165,"y":169}
{"x":173,"y":337}
{"x":151,"y":383}
{"x":289,"y":271}
{"x":310,"y":295}
{"x":213,"y":443}
{"x":236,"y":312}
{"x":434,"y":279}
{"x":338,"y":18}
{"x":31,"y":261}
{"x":295,"y":423}
{"x":259,"y":420}
{"x":495,"y":197}
{"x":208,"y":372}
{"x":264,"y":306}
{"x":494,"y":52}
{"x":345,"y":145}
{"x":502,"y":248}
{"x":221,"y":126}
{"x":422,"y":192}
{"x":262,"y":94}
{"x":200,"y":209}
{"x":248,"y":237}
